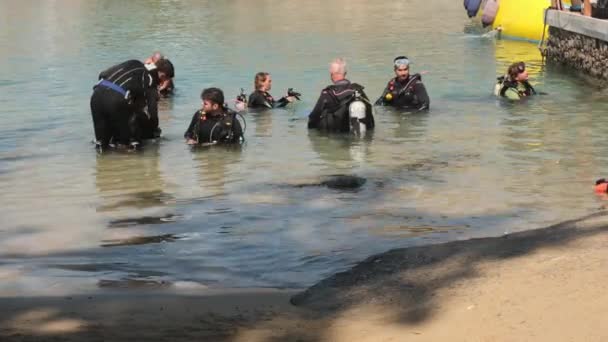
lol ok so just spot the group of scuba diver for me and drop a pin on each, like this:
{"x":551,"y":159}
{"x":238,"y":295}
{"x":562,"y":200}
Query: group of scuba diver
{"x":124,"y":104}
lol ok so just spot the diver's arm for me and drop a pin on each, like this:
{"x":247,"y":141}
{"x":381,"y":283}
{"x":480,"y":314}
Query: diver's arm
{"x":190,"y":131}
{"x":531,"y":88}
{"x":237,"y":130}
{"x":315,"y":116}
{"x":424,"y":102}
{"x":152,"y":103}
{"x":381,"y":101}
{"x":283,"y":101}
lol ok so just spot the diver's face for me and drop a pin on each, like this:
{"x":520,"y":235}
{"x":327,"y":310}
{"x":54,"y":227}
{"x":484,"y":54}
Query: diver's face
{"x":267,"y":85}
{"x":209,"y":106}
{"x":522,"y":76}
{"x":402,"y":72}
{"x":162,"y":76}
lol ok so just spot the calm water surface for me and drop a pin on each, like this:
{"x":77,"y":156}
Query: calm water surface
{"x":473,"y":166}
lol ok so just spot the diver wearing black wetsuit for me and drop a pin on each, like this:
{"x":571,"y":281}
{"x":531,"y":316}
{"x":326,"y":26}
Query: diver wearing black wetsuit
{"x":214,"y":123}
{"x":124,"y":105}
{"x":263,"y":99}
{"x":405,"y":91}
{"x":331,"y":111}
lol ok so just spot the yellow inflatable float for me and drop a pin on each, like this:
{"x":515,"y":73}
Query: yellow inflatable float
{"x":518,"y":19}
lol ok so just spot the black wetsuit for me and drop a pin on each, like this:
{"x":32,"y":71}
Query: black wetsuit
{"x":522,"y":89}
{"x":409,"y":94}
{"x":222,"y":128}
{"x":119,"y":104}
{"x":263,"y":99}
{"x":331,"y":111}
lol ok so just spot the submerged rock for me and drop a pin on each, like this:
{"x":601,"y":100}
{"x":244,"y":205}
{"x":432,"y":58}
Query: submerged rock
{"x":337,"y":182}
{"x":343,"y":182}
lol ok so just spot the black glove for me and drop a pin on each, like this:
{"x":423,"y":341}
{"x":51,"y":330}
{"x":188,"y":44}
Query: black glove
{"x":291,"y":92}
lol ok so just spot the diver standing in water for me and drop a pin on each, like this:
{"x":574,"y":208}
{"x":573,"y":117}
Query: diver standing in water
{"x":124,"y":105}
{"x":333,"y":111}
{"x":261,"y":98}
{"x":405,"y":91}
{"x":214,"y":123}
{"x":514,"y":85}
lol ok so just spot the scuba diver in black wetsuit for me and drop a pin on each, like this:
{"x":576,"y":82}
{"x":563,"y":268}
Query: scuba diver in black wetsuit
{"x":124,"y":105}
{"x":514,"y":85}
{"x":342,"y":106}
{"x":404,"y":91}
{"x":153,"y":64}
{"x":261,"y":98}
{"x":215,"y":123}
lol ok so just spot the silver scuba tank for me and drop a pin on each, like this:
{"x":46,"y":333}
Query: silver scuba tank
{"x":356,"y":111}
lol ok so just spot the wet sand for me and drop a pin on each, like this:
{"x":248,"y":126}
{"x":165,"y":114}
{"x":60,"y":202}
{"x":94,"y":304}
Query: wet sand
{"x":541,"y":285}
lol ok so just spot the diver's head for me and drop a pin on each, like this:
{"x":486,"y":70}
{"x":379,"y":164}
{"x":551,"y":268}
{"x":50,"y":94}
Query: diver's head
{"x":165,"y":69}
{"x":337,"y":69}
{"x":263,"y":81}
{"x":156,"y":56}
{"x":402,"y":67}
{"x":213,"y":100}
{"x":517,"y":72}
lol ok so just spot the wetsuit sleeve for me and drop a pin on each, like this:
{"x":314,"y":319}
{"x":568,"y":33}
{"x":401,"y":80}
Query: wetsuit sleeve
{"x":530,"y":88}
{"x":282,"y":102}
{"x":423,"y":98}
{"x":190,"y":134}
{"x":152,"y":103}
{"x":381,"y":101}
{"x":237,"y":129}
{"x":315,"y":116}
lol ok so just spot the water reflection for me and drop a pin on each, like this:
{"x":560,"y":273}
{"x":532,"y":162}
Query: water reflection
{"x":508,"y":52}
{"x":131,"y":180}
{"x":139,"y":240}
{"x":262,"y":121}
{"x":340,"y":151}
{"x":216,"y":165}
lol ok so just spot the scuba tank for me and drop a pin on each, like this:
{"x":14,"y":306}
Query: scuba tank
{"x":356,"y":111}
{"x":498,"y":86}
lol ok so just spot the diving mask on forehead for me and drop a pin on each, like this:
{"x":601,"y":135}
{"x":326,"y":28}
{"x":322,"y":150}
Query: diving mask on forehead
{"x":400,"y":61}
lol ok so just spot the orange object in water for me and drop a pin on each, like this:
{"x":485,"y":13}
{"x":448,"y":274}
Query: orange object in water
{"x":601,"y":186}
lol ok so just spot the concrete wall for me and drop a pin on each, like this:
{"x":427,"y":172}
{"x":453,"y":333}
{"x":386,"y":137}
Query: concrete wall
{"x":578,"y":42}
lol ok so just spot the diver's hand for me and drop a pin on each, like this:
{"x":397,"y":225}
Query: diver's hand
{"x":240,"y":105}
{"x":191,"y":142}
{"x":290,"y":98}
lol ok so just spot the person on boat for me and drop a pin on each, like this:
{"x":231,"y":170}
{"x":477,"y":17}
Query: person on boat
{"x":124,"y":105}
{"x":514,"y":85}
{"x":405,"y":91}
{"x":261,"y":98}
{"x":214,"y":123}
{"x":165,"y":81}
{"x":332,"y":110}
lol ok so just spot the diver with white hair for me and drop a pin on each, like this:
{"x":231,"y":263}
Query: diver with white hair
{"x":342,"y":106}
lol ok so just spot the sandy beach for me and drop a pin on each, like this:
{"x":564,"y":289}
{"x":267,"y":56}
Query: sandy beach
{"x":541,"y":285}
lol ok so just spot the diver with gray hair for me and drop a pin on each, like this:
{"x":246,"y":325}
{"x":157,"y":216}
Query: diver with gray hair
{"x":342,"y":106}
